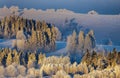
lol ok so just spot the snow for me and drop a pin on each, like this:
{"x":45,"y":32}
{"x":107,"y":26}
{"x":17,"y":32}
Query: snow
{"x":108,"y":47}
{"x":104,"y":26}
{"x":60,"y":47}
{"x":6,"y":43}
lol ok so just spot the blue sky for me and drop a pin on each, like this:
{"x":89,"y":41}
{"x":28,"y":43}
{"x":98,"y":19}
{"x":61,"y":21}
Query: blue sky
{"x":81,"y":6}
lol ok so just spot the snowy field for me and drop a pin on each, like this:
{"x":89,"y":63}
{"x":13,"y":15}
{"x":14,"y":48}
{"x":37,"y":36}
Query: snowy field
{"x":60,"y":47}
{"x":6,"y":43}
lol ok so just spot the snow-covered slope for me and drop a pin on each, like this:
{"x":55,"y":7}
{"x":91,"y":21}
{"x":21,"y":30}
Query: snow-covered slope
{"x":6,"y":43}
{"x":105,"y":26}
{"x":60,"y":47}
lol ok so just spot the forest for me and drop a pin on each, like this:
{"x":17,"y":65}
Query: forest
{"x":37,"y":65}
{"x":29,"y":34}
{"x":33,"y":39}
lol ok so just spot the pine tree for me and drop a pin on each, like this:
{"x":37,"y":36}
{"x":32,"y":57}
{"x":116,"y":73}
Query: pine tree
{"x":87,"y":58}
{"x":33,"y":40}
{"x":6,"y":33}
{"x":16,"y":57}
{"x":31,"y":60}
{"x":39,"y":42}
{"x":34,"y":34}
{"x":89,"y":41}
{"x":9,"y":59}
{"x":53,"y":38}
{"x":71,"y":43}
{"x":91,"y":33}
{"x":41,"y":57}
{"x":94,"y":59}
{"x":58,"y":34}
{"x":81,"y":39}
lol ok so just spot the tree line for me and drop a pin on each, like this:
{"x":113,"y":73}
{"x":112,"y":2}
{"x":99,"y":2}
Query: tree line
{"x":81,"y":42}
{"x":30,"y":34}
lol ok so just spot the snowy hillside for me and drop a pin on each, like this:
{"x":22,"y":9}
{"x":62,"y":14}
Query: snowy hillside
{"x":104,"y":26}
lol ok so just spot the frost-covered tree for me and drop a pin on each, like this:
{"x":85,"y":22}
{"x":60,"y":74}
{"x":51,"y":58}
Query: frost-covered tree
{"x":94,"y":58}
{"x":53,"y":31}
{"x":16,"y":58}
{"x":11,"y":71}
{"x":58,"y":34}
{"x":30,"y":34}
{"x":91,"y":33}
{"x":86,"y":58}
{"x":31,"y":60}
{"x":2,"y":70}
{"x":80,"y":43}
{"x":82,"y":68}
{"x":61,"y":74}
{"x":21,"y":70}
{"x":31,"y":71}
{"x":19,"y":43}
{"x":9,"y":59}
{"x":81,"y":39}
{"x":71,"y":42}
{"x":89,"y":41}
{"x":21,"y":35}
{"x":41,"y":58}
{"x":33,"y":41}
{"x":6,"y":33}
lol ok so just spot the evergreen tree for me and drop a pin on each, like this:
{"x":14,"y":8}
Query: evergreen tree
{"x":34,"y":34}
{"x":89,"y":41}
{"x":87,"y":58}
{"x":71,"y":43}
{"x":9,"y":59}
{"x":81,"y":40}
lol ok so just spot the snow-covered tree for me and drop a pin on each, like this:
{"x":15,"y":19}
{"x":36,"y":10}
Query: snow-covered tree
{"x":9,"y":59}
{"x":71,"y":42}
{"x":86,"y":58}
{"x":33,"y":41}
{"x":58,"y":34}
{"x":91,"y":33}
{"x":80,"y":43}
{"x":42,"y":36}
{"x":89,"y":41}
{"x":21,"y":35}
{"x":61,"y":74}
{"x":16,"y":58}
{"x":11,"y":71}
{"x":81,"y":39}
{"x":19,"y":43}
{"x":2,"y":70}
{"x":31,"y":71}
{"x":21,"y":70}
{"x":31,"y":60}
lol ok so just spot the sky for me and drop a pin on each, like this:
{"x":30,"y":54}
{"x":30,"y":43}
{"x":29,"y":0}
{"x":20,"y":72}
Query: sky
{"x":78,"y":6}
